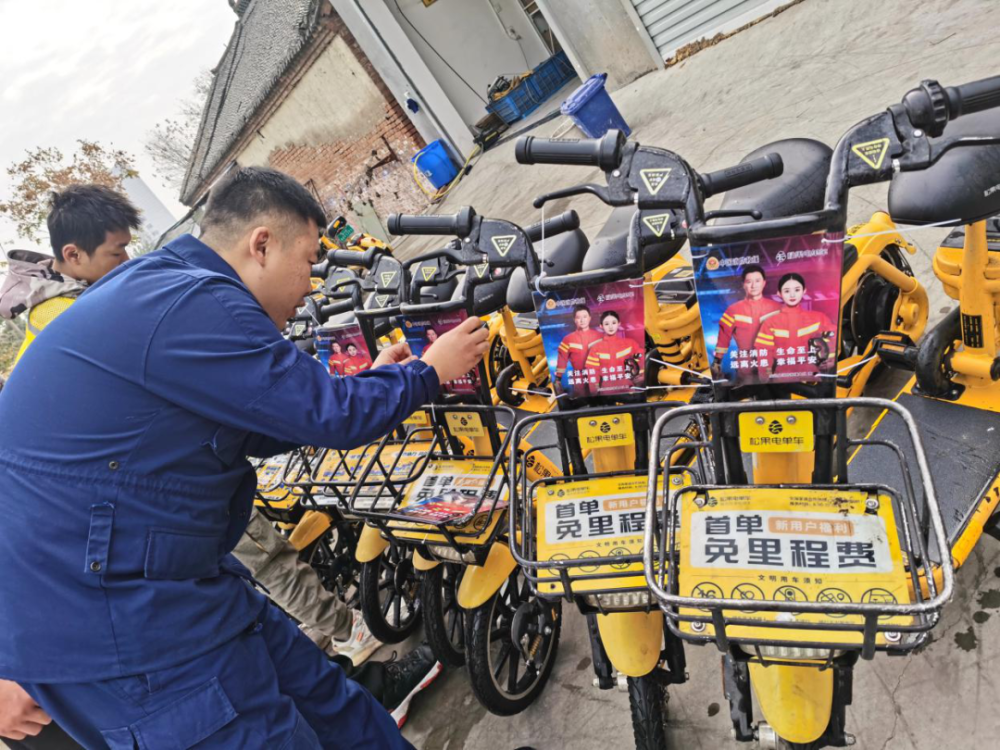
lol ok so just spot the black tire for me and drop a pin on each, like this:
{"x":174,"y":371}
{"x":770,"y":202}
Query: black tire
{"x":390,"y":601}
{"x":933,"y":374}
{"x":444,"y":620}
{"x":488,"y":630}
{"x":647,"y":699}
{"x":332,"y":556}
{"x":505,"y":385}
{"x":498,"y":360}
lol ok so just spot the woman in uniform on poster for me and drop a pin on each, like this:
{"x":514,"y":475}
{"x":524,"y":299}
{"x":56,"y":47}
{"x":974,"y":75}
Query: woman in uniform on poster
{"x":797,"y":342}
{"x":616,"y":359}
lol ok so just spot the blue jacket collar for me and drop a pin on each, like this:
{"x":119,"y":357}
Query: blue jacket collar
{"x":197,"y":253}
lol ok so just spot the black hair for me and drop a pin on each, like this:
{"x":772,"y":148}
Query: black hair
{"x":354,"y":345}
{"x":82,"y":215}
{"x":610,"y":314}
{"x":578,"y":308}
{"x":247,"y":192}
{"x":791,"y":277}
{"x":753,"y":268}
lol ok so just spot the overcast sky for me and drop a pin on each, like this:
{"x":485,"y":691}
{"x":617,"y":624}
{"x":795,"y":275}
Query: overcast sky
{"x":102,"y":70}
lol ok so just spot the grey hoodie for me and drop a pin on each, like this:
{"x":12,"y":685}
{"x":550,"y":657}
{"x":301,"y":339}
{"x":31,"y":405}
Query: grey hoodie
{"x":31,"y":280}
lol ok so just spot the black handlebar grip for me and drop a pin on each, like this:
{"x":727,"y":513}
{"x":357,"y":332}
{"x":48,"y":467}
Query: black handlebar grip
{"x":762,"y":168}
{"x":345,"y":258}
{"x":564,"y":222}
{"x":605,"y":152}
{"x":970,"y":98}
{"x":457,"y":224}
{"x":328,"y":311}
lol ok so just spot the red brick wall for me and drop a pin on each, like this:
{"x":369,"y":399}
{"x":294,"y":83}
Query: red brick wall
{"x":344,"y":172}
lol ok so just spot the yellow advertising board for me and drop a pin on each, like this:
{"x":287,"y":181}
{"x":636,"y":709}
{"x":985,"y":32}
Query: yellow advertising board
{"x":592,"y":518}
{"x":451,"y":488}
{"x":795,"y":545}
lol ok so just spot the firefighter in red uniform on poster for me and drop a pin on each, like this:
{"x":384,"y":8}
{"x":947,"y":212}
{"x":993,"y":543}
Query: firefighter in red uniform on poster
{"x":616,"y":360}
{"x":574,"y":348}
{"x":742,"y":320}
{"x":337,"y":359}
{"x":356,"y":362}
{"x":798,"y":343}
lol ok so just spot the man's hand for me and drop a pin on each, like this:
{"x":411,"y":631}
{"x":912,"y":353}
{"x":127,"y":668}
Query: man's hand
{"x":20,"y":716}
{"x":459,"y":350}
{"x":716,"y":369}
{"x":397,"y":354}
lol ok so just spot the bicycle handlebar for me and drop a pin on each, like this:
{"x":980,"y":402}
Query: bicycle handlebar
{"x":458,"y":224}
{"x":762,"y":168}
{"x":605,"y":152}
{"x":564,"y":222}
{"x":931,"y":106}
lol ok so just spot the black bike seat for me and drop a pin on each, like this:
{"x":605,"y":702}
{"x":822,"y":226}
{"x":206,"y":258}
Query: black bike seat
{"x":963,"y":185}
{"x":799,"y":189}
{"x":956,"y":238}
{"x":562,"y":254}
{"x":608,"y":250}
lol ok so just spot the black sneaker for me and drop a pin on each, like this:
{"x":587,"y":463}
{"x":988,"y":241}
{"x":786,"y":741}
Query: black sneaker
{"x":405,"y":678}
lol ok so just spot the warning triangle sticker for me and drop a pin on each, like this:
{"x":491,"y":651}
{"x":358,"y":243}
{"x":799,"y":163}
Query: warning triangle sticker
{"x":872,"y":153}
{"x":387,"y":277}
{"x":428,"y":272}
{"x":504,"y":243}
{"x":654,"y":178}
{"x":382,"y":299}
{"x":481,"y":269}
{"x":657,"y":223}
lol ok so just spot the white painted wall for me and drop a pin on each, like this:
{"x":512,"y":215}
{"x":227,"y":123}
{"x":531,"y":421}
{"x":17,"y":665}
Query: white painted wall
{"x":405,"y":73}
{"x":470,"y":36}
{"x":334,"y":101}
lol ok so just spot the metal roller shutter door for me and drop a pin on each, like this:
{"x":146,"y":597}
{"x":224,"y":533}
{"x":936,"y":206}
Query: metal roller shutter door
{"x":673,"y":23}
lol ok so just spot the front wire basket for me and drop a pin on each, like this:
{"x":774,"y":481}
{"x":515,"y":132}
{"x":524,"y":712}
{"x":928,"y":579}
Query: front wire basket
{"x":381,"y":491}
{"x":608,"y":582}
{"x":662,"y":557}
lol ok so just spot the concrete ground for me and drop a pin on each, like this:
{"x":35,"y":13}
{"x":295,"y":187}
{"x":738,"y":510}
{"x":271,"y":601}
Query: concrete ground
{"x":813,"y":71}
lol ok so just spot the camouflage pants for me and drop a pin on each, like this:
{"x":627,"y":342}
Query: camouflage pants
{"x":292,"y":584}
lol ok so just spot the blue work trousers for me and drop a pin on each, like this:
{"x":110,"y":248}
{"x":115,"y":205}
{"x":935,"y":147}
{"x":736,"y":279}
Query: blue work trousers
{"x":270,"y":687}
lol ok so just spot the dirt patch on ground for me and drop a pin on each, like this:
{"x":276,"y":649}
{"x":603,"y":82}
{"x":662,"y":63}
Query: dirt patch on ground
{"x":695,"y":47}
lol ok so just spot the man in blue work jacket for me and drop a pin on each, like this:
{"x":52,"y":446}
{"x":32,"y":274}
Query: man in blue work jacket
{"x":135,"y":627}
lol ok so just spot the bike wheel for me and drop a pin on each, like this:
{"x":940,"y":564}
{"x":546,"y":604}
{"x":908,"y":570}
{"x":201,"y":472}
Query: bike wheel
{"x":647,"y":699}
{"x":444,"y":620}
{"x":500,"y":679}
{"x":390,"y":601}
{"x":332,"y":556}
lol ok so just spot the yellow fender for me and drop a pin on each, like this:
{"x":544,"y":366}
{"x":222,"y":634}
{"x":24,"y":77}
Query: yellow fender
{"x":795,"y":701}
{"x":313,"y":525}
{"x":481,"y":582}
{"x":370,"y":545}
{"x":422,"y":563}
{"x":632,"y":640}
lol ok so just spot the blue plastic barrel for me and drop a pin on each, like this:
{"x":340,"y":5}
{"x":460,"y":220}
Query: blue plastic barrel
{"x":591,"y":108}
{"x":435,"y":164}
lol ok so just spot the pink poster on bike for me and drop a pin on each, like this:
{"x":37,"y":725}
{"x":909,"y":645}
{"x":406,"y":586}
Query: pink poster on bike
{"x":594,"y":339}
{"x":769,"y":309}
{"x":421,"y":333}
{"x":348,"y":352}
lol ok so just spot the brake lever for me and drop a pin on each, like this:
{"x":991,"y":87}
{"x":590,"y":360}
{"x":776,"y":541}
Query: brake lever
{"x":589,"y":188}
